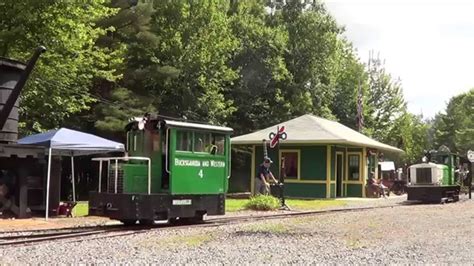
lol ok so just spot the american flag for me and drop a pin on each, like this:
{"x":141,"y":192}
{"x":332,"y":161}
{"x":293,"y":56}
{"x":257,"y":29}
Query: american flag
{"x":360,"y":113}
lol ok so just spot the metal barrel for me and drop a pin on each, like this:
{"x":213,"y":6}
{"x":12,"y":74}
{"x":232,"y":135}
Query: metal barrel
{"x":13,"y":76}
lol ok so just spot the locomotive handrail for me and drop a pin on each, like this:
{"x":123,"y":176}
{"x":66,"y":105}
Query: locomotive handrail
{"x":230,"y":166}
{"x":116,"y":159}
{"x":166,"y":151}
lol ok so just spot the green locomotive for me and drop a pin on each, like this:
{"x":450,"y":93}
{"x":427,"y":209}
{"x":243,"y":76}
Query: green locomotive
{"x":434,"y":180}
{"x":174,"y":170}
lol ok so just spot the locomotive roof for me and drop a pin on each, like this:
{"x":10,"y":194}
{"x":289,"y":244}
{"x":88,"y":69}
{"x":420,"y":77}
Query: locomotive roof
{"x":182,"y":124}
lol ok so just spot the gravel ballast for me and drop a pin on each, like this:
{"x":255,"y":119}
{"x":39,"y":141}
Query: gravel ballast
{"x":405,"y":234}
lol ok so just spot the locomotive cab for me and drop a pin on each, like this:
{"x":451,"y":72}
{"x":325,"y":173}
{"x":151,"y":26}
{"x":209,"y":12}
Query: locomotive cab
{"x":173,"y":170}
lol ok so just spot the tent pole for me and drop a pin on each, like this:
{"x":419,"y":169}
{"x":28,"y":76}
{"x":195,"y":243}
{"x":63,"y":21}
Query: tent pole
{"x":73,"y":180}
{"x":116,"y":175}
{"x":108,"y":170}
{"x":100,"y":175}
{"x":47,"y":183}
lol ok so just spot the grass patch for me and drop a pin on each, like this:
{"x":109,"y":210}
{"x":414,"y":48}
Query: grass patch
{"x":81,"y":209}
{"x":233,"y":205}
{"x":263,"y":203}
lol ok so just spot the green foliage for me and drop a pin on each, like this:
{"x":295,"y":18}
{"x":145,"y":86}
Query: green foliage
{"x":455,"y":128}
{"x":348,"y":75}
{"x":121,"y":106}
{"x":313,"y":37}
{"x":224,"y":62}
{"x":263,"y":203}
{"x":59,"y":86}
{"x":260,"y":62}
{"x":385,"y":102}
{"x":410,"y":133}
{"x":195,"y":38}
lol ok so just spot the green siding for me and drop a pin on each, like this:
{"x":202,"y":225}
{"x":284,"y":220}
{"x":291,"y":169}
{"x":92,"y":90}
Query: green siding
{"x":333,"y":190}
{"x":135,"y":178}
{"x":305,"y":190}
{"x":313,"y":163}
{"x":313,"y":167}
{"x":354,"y":190}
{"x":313,"y":160}
{"x":333,"y":163}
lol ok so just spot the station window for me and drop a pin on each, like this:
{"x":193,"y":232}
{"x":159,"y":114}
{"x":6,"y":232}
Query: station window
{"x":371,"y":163}
{"x":184,"y":141}
{"x":354,"y":167}
{"x":291,"y":163}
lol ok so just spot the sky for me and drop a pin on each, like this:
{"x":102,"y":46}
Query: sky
{"x":428,"y":44}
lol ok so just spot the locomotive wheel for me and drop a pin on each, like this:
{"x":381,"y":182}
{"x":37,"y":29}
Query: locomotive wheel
{"x":128,"y":222}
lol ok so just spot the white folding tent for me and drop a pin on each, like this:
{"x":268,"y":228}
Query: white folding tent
{"x":67,"y":142}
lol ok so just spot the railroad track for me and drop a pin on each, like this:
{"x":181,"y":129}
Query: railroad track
{"x":90,"y":233}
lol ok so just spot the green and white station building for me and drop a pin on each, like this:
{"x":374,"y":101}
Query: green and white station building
{"x":323,"y":158}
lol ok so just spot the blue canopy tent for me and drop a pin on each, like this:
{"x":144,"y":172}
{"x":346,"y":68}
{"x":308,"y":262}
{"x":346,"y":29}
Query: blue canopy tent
{"x":67,"y":142}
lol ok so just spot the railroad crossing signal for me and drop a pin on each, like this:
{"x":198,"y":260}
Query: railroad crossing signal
{"x":275,"y":138}
{"x":470,"y":156}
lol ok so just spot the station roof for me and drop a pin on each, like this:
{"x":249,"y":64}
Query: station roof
{"x":310,"y":129}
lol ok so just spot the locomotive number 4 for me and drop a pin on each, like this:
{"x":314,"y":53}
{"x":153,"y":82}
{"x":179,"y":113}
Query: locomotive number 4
{"x":201,"y":174}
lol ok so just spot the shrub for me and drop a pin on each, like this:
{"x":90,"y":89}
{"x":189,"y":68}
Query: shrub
{"x":263,"y":203}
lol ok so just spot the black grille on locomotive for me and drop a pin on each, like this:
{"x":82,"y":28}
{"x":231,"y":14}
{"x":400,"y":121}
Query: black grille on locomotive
{"x":423,"y":176}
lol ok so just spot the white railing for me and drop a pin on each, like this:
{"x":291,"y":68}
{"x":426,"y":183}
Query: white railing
{"x":116,"y":159}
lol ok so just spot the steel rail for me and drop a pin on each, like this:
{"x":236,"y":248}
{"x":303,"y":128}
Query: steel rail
{"x":138,"y":229}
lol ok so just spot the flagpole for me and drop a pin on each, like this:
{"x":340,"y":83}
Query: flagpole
{"x":359,"y":108}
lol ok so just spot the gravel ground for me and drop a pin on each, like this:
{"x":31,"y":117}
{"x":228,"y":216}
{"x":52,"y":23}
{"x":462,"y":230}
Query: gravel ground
{"x":432,"y":234}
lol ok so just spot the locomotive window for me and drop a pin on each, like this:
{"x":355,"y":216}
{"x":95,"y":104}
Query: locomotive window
{"x":354,"y":167}
{"x":184,"y":141}
{"x":202,"y":142}
{"x":219,"y":141}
